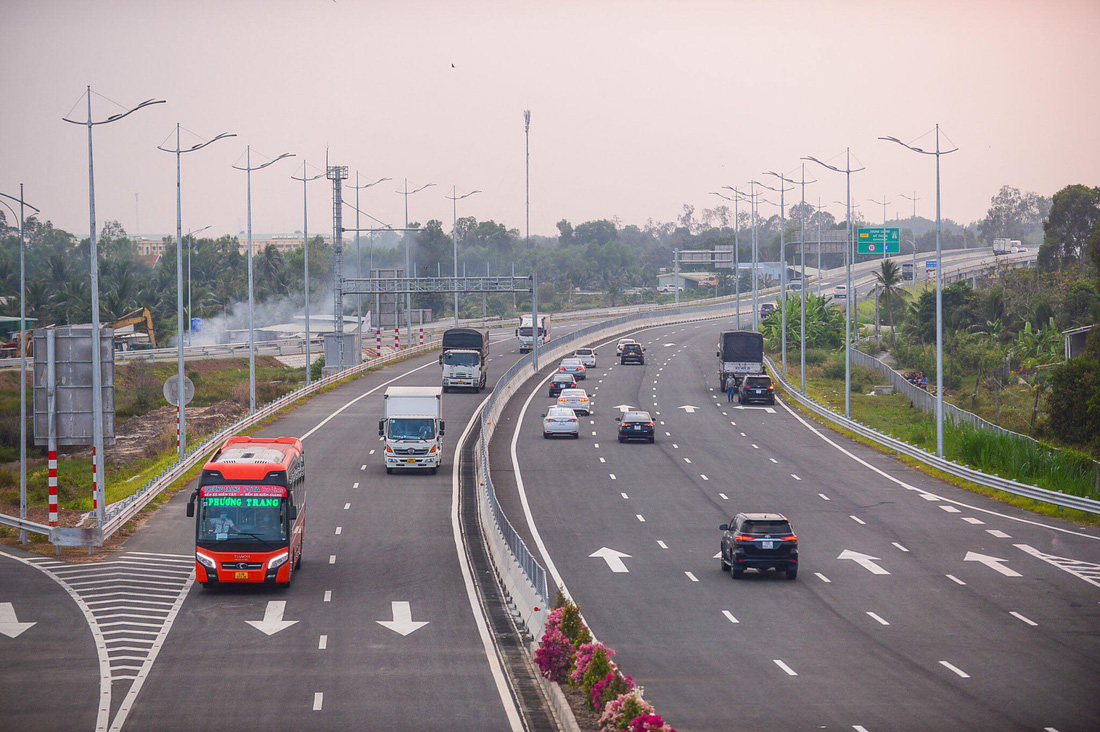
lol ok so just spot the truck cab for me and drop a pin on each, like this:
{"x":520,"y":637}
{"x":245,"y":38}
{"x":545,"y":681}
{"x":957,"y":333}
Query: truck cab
{"x":526,"y":333}
{"x":412,"y":428}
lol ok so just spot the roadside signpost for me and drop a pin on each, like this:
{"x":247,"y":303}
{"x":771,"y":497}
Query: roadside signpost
{"x":878,"y":240}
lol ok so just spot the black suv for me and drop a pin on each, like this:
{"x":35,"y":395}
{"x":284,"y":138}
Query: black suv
{"x":756,"y":389}
{"x":561,"y":381}
{"x":759,"y":541}
{"x":632,"y":353}
{"x":636,"y":426}
{"x":766,"y":309}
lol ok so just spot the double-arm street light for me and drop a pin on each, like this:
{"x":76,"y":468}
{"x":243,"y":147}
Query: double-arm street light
{"x":847,"y":170}
{"x":181,"y":411}
{"x":737,"y":197}
{"x":782,"y":257}
{"x":455,"y":198}
{"x":99,"y":473}
{"x":802,"y":182}
{"x":359,"y":261}
{"x":190,"y":245}
{"x":408,"y":295}
{"x":23,"y":356}
{"x":248,"y":168}
{"x":306,"y":178}
{"x":939,"y":280}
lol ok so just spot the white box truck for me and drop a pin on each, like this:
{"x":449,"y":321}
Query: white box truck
{"x":464,"y":358}
{"x":524,"y":332}
{"x":412,"y":427}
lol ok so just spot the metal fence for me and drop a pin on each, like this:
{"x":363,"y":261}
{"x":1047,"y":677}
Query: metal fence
{"x":951,"y":467}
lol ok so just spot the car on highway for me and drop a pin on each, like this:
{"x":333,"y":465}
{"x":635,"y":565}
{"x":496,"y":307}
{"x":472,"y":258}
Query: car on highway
{"x":756,"y":389}
{"x":766,"y":309}
{"x":622,"y":342}
{"x":587,"y":356}
{"x":840,"y":292}
{"x":577,"y":400}
{"x":759,"y":541}
{"x":632,"y":353}
{"x":572,"y":366}
{"x":636,"y":426}
{"x":561,"y":380}
{"x":560,"y":421}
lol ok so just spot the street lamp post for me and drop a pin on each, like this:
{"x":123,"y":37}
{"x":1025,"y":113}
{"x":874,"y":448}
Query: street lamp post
{"x":782,"y":259}
{"x":852,"y":301}
{"x":939,"y":281}
{"x":251,"y":314}
{"x":847,"y":170}
{"x":359,"y":259}
{"x":455,"y":198}
{"x":181,"y":411}
{"x":884,"y":203}
{"x":22,"y":355}
{"x":306,"y":178}
{"x":190,"y":245}
{"x":819,"y":270}
{"x":99,"y":472}
{"x":408,"y":295}
{"x":737,"y":197}
{"x":913,"y":230}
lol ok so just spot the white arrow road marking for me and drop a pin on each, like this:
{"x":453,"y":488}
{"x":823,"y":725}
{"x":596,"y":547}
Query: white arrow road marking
{"x":688,"y":408}
{"x":613,"y":558}
{"x":9,"y":624}
{"x":402,"y":622}
{"x":623,"y":408}
{"x":273,"y":618}
{"x":864,"y":560}
{"x":991,"y":562}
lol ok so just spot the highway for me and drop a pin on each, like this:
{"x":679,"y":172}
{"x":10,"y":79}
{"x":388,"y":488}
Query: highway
{"x":382,"y":629}
{"x":918,"y":606}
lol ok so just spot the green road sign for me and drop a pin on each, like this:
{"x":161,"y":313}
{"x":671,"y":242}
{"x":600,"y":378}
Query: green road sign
{"x":872,"y":241}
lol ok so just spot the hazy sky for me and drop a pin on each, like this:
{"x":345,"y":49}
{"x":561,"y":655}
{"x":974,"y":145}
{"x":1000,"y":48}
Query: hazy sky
{"x":637,"y":107}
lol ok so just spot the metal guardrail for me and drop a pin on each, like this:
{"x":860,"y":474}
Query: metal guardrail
{"x":122,"y":511}
{"x":1058,"y":498}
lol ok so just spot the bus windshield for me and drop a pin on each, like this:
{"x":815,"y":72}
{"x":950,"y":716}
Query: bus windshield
{"x":411,"y":428}
{"x":242,"y":519}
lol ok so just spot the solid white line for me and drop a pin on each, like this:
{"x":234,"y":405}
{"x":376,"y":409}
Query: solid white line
{"x":899,"y":546}
{"x":326,"y":420}
{"x":956,"y":669}
{"x":503,"y":691}
{"x":328,"y":595}
{"x":823,"y":578}
{"x":339,"y":530}
{"x":795,"y":476}
{"x":332,"y":559}
{"x":875,"y":616}
{"x":347,"y":506}
{"x":640,"y":517}
{"x":955,"y":579}
{"x":858,"y":520}
{"x":907,"y":486}
{"x":824,"y":496}
{"x":729,"y":616}
{"x":785,"y":667}
{"x":691,"y":577}
{"x":997,"y":533}
{"x":318,"y":700}
{"x":662,"y":544}
{"x":322,"y":643}
{"x":1018,"y":616}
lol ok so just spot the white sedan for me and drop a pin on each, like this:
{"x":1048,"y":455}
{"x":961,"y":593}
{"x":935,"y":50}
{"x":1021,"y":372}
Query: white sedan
{"x":587,"y":356}
{"x":840,"y":292}
{"x":575,"y":399}
{"x":622,"y":342}
{"x":560,"y":421}
{"x":572,"y":366}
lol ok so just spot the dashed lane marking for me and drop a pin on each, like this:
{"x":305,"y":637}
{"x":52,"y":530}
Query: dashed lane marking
{"x":972,"y":520}
{"x":755,"y":446}
{"x":662,"y":544}
{"x":824,"y":496}
{"x":332,"y":559}
{"x":949,"y":509}
{"x":318,"y":701}
{"x":955,"y":579}
{"x":625,"y":496}
{"x":640,"y":517}
{"x":729,"y":616}
{"x":785,"y":667}
{"x":997,"y":533}
{"x":339,"y":530}
{"x":875,"y":616}
{"x":328,"y":596}
{"x":823,"y":578}
{"x":795,"y":476}
{"x":774,"y":460}
{"x":703,"y":476}
{"x":322,"y":643}
{"x":347,"y":506}
{"x":858,"y":520}
{"x":899,"y":546}
{"x":1018,"y":616}
{"x":687,"y":460}
{"x":691,"y":577}
{"x":723,"y":496}
{"x":743,"y":434}
{"x":951,"y":667}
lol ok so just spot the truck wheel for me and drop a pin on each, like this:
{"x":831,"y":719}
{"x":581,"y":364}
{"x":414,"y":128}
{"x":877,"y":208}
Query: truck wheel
{"x":433,"y":470}
{"x":389,"y":471}
{"x":445,"y":389}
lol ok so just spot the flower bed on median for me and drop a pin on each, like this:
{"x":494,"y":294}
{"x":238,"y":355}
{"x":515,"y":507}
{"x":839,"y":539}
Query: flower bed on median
{"x":568,"y":655}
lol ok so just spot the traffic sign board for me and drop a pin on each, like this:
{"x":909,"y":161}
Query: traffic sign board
{"x":872,"y":241}
{"x":930,"y":264}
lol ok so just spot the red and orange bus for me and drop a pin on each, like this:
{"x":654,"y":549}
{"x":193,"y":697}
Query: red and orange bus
{"x":251,"y":512}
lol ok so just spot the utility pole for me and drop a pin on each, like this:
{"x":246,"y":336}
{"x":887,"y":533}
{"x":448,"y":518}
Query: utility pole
{"x":913,"y":231}
{"x":408,"y":296}
{"x":306,"y":178}
{"x":99,"y":472}
{"x":338,"y":174}
{"x":455,"y":198}
{"x":782,"y":259}
{"x":884,"y":203}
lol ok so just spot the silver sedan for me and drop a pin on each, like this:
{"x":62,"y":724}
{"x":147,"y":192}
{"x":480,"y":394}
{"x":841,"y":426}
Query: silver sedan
{"x":560,"y":421}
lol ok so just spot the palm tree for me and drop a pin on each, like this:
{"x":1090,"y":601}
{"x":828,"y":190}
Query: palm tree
{"x":1036,"y":349}
{"x":888,"y":281}
{"x":994,"y":331}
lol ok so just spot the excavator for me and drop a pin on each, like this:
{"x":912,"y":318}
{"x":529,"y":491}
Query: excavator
{"x":134,"y":341}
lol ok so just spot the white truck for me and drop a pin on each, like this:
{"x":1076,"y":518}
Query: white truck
{"x":412,"y":427}
{"x":524,"y":332}
{"x":464,"y":358}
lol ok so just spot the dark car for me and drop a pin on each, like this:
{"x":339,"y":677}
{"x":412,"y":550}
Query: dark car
{"x":759,"y":541}
{"x":636,"y":426}
{"x":756,"y":389}
{"x":766,"y":309}
{"x":632,"y":353}
{"x":561,"y":381}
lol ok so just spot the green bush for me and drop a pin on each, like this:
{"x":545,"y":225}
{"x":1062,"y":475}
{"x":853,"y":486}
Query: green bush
{"x":816,"y":356}
{"x":1073,"y":407}
{"x":598,"y":668}
{"x":834,"y":369}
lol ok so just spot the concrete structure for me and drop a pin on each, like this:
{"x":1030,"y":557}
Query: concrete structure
{"x":1075,"y":340}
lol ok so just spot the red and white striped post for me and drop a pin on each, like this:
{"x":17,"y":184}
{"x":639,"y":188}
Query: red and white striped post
{"x":95,"y":480}
{"x":422,"y":335}
{"x":52,"y":464}
{"x":397,"y":339}
{"x":378,"y":341}
{"x":177,"y":430}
